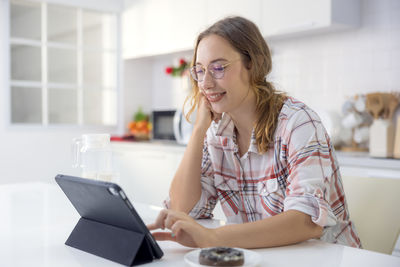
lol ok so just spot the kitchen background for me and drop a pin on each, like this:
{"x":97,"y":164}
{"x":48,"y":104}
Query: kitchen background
{"x":323,"y":67}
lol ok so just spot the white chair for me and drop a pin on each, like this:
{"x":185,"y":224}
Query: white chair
{"x":374,"y":206}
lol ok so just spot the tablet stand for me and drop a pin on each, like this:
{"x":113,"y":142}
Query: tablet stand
{"x":114,"y":243}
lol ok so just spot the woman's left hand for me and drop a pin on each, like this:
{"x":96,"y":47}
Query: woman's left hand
{"x":184,"y":229}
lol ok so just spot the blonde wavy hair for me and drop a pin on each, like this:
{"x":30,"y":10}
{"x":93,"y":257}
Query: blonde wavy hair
{"x":245,"y":38}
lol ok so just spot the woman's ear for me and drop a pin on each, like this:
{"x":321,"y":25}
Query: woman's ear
{"x":248,"y":65}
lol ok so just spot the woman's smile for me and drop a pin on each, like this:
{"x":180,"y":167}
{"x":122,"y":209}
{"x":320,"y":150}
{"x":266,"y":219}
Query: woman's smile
{"x":215,"y":97}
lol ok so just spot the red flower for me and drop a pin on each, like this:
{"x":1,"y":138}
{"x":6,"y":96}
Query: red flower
{"x":177,"y":70}
{"x":168,"y":70}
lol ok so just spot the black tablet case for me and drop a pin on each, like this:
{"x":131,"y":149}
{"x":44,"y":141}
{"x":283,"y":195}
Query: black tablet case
{"x":109,"y":226}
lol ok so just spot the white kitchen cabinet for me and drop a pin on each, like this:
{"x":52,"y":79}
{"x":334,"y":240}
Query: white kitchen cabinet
{"x":154,"y":27}
{"x":293,"y":18}
{"x":249,"y":9}
{"x":146,"y":169}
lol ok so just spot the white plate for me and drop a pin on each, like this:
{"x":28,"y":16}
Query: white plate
{"x":251,"y":258}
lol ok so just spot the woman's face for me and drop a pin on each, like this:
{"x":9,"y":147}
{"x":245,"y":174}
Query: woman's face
{"x":228,"y":93}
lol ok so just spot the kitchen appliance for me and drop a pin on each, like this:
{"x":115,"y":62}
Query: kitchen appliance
{"x":163,"y":124}
{"x":182,"y":128}
{"x":172,"y":125}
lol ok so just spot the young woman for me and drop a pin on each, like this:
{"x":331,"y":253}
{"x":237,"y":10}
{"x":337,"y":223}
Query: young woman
{"x":265,"y":156}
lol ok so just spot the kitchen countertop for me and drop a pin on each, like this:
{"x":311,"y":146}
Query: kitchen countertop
{"x":351,"y":163}
{"x":170,"y":143}
{"x":362,"y":165}
{"x":362,"y":159}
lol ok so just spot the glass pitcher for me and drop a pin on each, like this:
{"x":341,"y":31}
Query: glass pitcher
{"x":92,"y":153}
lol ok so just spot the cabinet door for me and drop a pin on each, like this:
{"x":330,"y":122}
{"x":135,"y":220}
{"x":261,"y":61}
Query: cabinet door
{"x":147,"y":172}
{"x":145,"y":28}
{"x":146,"y":175}
{"x":250,"y":9}
{"x":154,"y":27}
{"x":292,"y":17}
{"x":134,"y":30}
{"x":188,"y":18}
{"x":289,"y":16}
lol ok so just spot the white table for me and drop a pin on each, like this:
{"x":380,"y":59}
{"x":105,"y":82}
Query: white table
{"x":37,"y":218}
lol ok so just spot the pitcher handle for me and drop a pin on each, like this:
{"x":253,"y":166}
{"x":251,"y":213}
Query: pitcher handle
{"x":75,"y":152}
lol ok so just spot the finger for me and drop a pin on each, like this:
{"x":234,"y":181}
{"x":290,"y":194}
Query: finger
{"x":172,"y":217}
{"x":163,"y":236}
{"x":183,"y":226}
{"x":152,"y":226}
{"x":169,"y":221}
{"x":207,"y":103}
{"x":186,"y":233}
{"x":159,"y":223}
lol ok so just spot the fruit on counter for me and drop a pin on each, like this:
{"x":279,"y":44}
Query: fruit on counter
{"x":140,"y":126}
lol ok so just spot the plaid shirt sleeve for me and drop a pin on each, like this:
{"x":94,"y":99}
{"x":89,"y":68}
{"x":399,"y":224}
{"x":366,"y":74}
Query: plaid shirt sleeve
{"x":206,"y":204}
{"x":311,"y":173}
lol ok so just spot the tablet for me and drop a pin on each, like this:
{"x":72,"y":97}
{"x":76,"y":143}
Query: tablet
{"x":107,"y":203}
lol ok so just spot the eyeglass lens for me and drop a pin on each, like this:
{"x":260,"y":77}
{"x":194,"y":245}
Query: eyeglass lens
{"x":216,"y":69}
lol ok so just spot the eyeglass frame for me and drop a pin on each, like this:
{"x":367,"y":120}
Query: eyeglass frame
{"x":192,"y":70}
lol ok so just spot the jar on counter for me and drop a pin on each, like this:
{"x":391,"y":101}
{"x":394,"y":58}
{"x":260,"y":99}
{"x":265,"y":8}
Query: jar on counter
{"x":92,"y":153}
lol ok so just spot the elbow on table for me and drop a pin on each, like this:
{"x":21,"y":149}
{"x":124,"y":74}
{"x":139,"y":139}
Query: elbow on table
{"x":316,"y":231}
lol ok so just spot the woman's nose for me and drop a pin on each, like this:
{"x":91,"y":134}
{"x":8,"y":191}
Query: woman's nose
{"x":208,"y":81}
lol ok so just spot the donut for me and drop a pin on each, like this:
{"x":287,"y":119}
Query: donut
{"x":221,"y":256}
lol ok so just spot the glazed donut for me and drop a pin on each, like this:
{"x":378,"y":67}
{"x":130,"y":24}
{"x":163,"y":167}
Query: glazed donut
{"x":221,"y":256}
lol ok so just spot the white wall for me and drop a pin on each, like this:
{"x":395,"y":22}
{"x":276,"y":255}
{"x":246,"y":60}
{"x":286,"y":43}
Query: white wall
{"x":324,"y":70}
{"x":163,"y":91}
{"x":147,"y":85}
{"x":138,"y":84}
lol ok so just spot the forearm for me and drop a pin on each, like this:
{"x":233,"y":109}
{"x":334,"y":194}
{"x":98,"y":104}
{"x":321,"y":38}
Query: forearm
{"x":283,"y":229}
{"x":185,"y":188}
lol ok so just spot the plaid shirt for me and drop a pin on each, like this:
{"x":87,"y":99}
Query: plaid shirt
{"x":299,"y":172}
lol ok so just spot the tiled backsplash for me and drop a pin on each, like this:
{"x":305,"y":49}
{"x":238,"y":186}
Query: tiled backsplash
{"x":323,"y":70}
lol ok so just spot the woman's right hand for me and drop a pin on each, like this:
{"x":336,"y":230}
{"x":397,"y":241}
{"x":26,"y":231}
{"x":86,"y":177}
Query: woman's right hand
{"x":205,"y":114}
{"x":184,"y":229}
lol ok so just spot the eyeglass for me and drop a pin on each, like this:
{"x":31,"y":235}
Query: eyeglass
{"x":216,"y":69}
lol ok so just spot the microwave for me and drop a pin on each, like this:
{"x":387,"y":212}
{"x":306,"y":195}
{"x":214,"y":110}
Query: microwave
{"x":163,"y":124}
{"x":171,"y":125}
